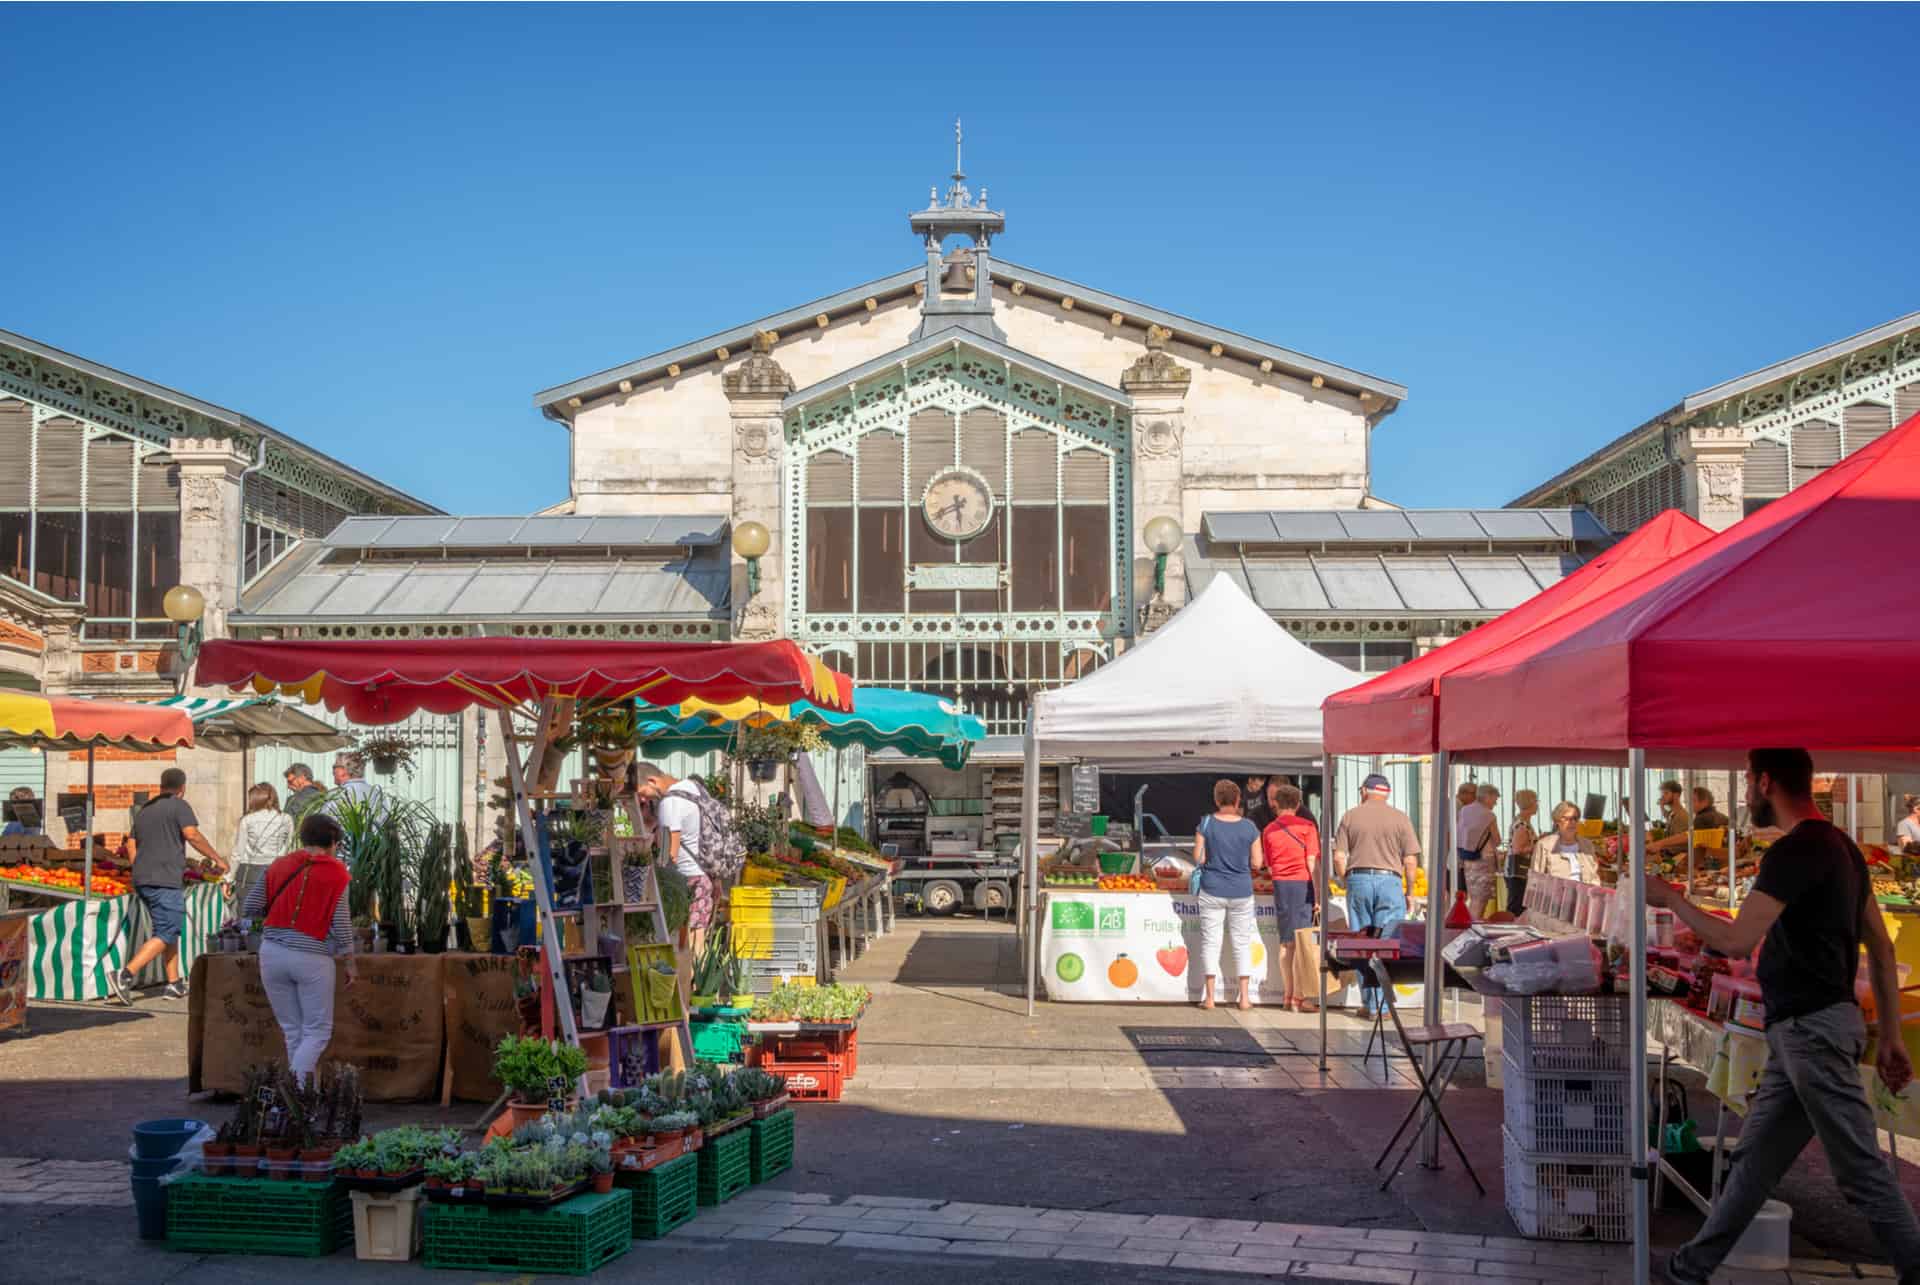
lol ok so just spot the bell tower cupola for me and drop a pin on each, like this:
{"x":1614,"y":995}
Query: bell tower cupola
{"x":958,"y":214}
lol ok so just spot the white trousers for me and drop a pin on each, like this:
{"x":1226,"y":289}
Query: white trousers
{"x":300,"y":988}
{"x":1236,"y":915}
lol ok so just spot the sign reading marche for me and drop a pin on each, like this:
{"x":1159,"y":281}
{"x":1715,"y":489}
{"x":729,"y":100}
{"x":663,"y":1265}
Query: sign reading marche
{"x":953,"y":575}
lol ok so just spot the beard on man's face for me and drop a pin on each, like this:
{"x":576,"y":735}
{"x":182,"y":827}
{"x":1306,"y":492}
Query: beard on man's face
{"x":1760,"y":807}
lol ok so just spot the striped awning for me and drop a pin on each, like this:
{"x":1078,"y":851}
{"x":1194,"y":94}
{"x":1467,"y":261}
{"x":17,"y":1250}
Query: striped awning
{"x":238,"y":723}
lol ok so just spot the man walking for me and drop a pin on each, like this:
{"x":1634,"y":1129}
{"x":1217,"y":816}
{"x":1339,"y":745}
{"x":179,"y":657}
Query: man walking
{"x":158,"y":843}
{"x":1376,"y":854}
{"x":1811,"y":904}
{"x":302,"y":792}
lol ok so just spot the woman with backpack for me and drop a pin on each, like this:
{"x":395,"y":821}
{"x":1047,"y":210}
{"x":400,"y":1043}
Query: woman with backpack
{"x":1290,"y":843}
{"x":303,"y":899}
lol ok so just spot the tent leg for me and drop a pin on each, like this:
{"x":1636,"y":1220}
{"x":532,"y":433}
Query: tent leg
{"x":86,"y":877}
{"x":1637,"y":1017}
{"x":1327,"y":827}
{"x":1030,"y":855}
{"x":1434,"y":967}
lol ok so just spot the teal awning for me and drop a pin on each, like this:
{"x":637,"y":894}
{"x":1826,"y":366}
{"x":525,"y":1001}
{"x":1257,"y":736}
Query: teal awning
{"x":241,"y":722}
{"x":917,"y":724}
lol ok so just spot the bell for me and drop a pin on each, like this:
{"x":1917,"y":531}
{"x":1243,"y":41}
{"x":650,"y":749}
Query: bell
{"x":959,"y":276}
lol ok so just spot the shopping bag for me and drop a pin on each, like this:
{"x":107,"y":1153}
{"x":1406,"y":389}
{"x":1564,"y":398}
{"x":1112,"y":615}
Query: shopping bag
{"x":1308,"y":981}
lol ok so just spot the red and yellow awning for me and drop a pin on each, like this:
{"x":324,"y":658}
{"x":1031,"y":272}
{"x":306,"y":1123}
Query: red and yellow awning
{"x":384,"y":681}
{"x":69,"y":722}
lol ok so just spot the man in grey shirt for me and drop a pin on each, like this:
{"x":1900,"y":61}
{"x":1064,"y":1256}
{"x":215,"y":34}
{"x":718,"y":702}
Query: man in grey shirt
{"x":158,"y":843}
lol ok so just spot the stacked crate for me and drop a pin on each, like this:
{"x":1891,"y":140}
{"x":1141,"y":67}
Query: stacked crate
{"x":1566,"y":1138}
{"x":777,"y":932}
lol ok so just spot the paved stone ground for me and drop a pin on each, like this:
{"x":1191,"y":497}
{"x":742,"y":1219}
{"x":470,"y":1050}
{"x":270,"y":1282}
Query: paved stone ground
{"x":1103,"y":1117}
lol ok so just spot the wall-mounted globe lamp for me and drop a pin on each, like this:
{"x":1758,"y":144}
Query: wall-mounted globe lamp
{"x":751,"y":541}
{"x":1163,"y":536}
{"x":185,"y":607}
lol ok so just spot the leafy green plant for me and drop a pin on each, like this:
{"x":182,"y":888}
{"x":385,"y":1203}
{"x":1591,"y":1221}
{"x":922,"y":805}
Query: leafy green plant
{"x":760,"y":826}
{"x":714,"y":971}
{"x":525,"y":1066}
{"x":676,"y":896}
{"x":757,"y":1085}
{"x":432,"y":906}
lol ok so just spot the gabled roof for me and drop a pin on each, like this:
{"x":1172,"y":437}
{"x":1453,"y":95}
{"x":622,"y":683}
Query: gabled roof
{"x":1721,"y":392}
{"x":553,"y":400}
{"x":219,"y":414}
{"x":957,"y":338}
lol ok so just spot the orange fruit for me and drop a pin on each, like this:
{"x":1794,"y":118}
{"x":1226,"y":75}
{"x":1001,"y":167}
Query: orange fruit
{"x":1123,"y":972}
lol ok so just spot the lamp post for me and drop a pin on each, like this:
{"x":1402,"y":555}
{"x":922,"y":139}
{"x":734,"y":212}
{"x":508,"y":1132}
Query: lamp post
{"x":1163,"y":536}
{"x":185,"y":607}
{"x":751,"y":541}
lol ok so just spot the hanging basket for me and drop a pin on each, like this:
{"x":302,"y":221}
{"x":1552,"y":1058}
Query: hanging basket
{"x":385,"y":765}
{"x":763,"y":770}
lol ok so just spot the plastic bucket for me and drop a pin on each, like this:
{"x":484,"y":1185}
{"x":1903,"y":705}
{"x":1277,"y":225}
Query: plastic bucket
{"x":1097,"y":824}
{"x":149,"y":1197}
{"x":1766,"y":1245}
{"x":158,"y":1139}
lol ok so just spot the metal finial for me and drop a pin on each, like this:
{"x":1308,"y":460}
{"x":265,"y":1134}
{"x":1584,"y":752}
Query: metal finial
{"x":958,"y":173}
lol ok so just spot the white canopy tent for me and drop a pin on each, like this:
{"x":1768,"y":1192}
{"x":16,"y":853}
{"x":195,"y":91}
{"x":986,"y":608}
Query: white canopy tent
{"x":1220,"y":687}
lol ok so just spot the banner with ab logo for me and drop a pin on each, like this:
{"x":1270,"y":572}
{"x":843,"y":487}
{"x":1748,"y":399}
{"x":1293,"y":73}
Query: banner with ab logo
{"x":1081,"y":917}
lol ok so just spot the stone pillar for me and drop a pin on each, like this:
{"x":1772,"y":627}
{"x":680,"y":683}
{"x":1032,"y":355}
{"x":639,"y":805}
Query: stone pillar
{"x":210,"y":514}
{"x":1713,"y":477}
{"x":1158,"y":385}
{"x":754,"y":391}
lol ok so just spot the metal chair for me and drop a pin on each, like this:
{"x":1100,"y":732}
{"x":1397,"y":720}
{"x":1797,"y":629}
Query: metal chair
{"x":1451,"y":1038}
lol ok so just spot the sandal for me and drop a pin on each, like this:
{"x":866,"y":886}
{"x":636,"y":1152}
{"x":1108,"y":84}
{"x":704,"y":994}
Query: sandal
{"x":1305,"y":1006}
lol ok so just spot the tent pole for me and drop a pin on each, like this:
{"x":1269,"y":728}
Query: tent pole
{"x":1030,"y":852}
{"x":1733,"y":860}
{"x":1637,"y":1022}
{"x":86,"y":878}
{"x":1688,"y":804}
{"x":1327,"y":824}
{"x":1437,"y":852}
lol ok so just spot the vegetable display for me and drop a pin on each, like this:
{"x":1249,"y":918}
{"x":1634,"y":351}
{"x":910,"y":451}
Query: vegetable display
{"x":838,"y":1002}
{"x":65,"y":880}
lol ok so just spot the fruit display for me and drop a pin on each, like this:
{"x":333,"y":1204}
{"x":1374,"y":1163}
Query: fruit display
{"x":1072,"y":879}
{"x":1127,"y":883}
{"x":64,"y":880}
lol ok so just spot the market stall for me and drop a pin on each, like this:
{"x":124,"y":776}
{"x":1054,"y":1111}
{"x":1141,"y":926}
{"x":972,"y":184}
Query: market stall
{"x":1747,"y":639}
{"x":93,"y":924}
{"x":608,"y":921}
{"x":1220,"y":686}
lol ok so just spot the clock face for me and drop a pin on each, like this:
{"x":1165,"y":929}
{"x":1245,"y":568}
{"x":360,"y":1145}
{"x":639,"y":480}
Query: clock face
{"x":958,"y":503}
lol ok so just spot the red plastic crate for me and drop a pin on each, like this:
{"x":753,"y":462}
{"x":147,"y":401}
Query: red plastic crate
{"x":816,"y":1080}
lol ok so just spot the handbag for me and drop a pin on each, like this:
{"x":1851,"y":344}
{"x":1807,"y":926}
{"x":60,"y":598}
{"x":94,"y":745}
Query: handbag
{"x":1193,"y":880}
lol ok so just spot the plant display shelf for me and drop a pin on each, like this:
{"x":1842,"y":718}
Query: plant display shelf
{"x":772,"y":1145}
{"x":726,"y":1166}
{"x":258,"y":1216}
{"x":664,"y":1197}
{"x":571,"y":1239}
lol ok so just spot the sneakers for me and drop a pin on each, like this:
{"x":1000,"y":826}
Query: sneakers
{"x":121,"y":981}
{"x":176,"y":990}
{"x":1662,"y":1271}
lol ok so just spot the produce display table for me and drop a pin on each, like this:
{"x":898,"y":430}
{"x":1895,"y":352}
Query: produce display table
{"x":410,"y":1023}
{"x":1107,"y":946}
{"x":76,"y":944}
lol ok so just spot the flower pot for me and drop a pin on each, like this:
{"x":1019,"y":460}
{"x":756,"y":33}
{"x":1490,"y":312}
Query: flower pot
{"x":479,"y":933}
{"x":763,"y":770}
{"x":385,"y":766}
{"x":318,"y":1162}
{"x":246,"y":1159}
{"x":670,"y":1135}
{"x":280,"y":1161}
{"x":369,"y":1175}
{"x":219,"y":1158}
{"x":603,"y":1183}
{"x":527,"y":1112}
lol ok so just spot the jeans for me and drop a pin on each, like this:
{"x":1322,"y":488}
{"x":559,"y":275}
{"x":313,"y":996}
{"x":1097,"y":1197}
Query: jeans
{"x":1236,"y":915}
{"x":299,"y":985}
{"x":1375,"y":899}
{"x":167,"y":907}
{"x":1811,"y":1089}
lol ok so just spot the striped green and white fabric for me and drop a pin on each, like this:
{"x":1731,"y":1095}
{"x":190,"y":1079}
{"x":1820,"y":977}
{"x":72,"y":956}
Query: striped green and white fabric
{"x":77,"y":943}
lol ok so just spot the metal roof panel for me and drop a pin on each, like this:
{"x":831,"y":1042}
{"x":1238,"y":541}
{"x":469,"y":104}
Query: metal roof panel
{"x":359,"y":592}
{"x":1308,"y":526}
{"x":1239,"y":528}
{"x":1430,"y":583}
{"x":498,"y":590}
{"x":1502,"y":583}
{"x":1358,"y":584}
{"x":1283,"y":585}
{"x":1376,"y":526}
{"x":1452,"y":525}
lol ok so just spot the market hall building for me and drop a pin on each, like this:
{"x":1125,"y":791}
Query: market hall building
{"x":113,"y":490}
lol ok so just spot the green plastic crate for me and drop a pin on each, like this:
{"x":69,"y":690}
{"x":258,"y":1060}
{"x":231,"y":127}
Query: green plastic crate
{"x":718,"y":1041}
{"x":258,"y":1216}
{"x":572,"y":1238}
{"x":772,"y":1144}
{"x":726,"y":1166}
{"x":664,"y":1197}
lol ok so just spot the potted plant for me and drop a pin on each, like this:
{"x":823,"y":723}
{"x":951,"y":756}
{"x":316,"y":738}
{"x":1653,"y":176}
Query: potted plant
{"x":602,"y":1165}
{"x":218,"y":1154}
{"x":532,"y":1069}
{"x":433,"y":902}
{"x":447,"y":1172}
{"x":673,"y":1125}
{"x":389,"y":752}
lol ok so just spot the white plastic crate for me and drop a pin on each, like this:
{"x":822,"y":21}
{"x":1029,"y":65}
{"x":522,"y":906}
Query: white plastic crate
{"x":1565,"y":1033}
{"x":1564,"y":1198}
{"x":1567,"y":1115}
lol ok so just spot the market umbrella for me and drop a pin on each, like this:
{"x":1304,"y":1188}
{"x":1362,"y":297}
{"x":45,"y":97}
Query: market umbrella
{"x":1760,"y":636}
{"x":918,"y":724}
{"x":30,"y":721}
{"x":239,"y":723}
{"x":385,"y":681}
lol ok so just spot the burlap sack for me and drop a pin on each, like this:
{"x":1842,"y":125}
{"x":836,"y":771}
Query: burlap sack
{"x":480,"y":1009}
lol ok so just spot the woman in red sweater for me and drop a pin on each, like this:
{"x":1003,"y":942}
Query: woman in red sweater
{"x":1290,"y":842}
{"x":303,"y":899}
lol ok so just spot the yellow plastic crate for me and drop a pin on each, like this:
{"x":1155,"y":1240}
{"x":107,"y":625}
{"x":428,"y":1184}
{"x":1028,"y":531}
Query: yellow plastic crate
{"x":836,"y":886}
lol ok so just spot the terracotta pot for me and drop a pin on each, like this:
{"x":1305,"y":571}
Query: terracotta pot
{"x":603,"y":1183}
{"x":366,"y":1173}
{"x":527,"y":1112}
{"x":246,"y":1158}
{"x":670,"y":1135}
{"x":280,"y":1161}
{"x":219,"y":1158}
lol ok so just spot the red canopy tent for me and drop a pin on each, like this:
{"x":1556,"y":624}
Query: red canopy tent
{"x":1797,"y":626}
{"x":384,"y":681}
{"x":1398,"y":712}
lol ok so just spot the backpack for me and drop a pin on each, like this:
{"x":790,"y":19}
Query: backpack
{"x":722,"y":854}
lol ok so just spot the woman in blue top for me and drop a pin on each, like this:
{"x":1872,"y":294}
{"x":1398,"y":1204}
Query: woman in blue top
{"x":1227,"y":849}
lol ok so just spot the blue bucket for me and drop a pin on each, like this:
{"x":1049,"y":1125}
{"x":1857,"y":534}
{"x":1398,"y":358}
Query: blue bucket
{"x":150,"y":1207}
{"x":145,"y":1168}
{"x":158,"y":1139}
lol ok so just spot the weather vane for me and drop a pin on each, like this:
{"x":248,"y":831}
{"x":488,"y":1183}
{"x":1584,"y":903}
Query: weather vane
{"x":957,"y":172}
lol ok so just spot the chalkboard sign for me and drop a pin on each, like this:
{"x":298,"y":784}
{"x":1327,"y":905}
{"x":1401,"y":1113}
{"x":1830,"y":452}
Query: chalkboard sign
{"x":1086,"y":789}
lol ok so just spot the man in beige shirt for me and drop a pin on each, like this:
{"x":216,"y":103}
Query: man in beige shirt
{"x":1377,"y":855}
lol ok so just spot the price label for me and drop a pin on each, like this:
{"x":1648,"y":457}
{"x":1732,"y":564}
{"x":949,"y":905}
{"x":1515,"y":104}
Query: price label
{"x":557,"y":1094}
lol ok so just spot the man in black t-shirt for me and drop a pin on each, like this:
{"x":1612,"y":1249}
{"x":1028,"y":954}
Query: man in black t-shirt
{"x":161,"y":835}
{"x":1812,"y":904}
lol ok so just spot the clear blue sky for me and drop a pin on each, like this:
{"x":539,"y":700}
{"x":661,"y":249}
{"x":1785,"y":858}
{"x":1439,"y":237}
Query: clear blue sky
{"x":383,"y":229}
